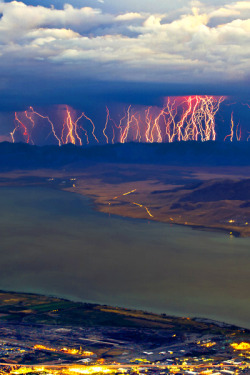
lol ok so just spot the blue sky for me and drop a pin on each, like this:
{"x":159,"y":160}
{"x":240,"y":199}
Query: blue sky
{"x":84,"y":51}
{"x":115,"y":6}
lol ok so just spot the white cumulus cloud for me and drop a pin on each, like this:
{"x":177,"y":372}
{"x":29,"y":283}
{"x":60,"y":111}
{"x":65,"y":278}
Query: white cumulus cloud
{"x":143,"y":46}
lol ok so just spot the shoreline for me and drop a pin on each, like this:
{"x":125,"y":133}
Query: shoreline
{"x":89,"y":201}
{"x":97,"y":207}
{"x":120,"y":309}
{"x":113,"y":197}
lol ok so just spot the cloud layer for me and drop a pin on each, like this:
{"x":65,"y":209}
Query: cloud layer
{"x":198,"y":42}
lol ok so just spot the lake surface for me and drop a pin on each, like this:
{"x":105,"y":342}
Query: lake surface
{"x":53,"y":242}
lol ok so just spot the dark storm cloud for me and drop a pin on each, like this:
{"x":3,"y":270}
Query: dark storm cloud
{"x":84,"y":52}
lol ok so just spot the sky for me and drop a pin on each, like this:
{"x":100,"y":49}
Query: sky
{"x":87,"y":52}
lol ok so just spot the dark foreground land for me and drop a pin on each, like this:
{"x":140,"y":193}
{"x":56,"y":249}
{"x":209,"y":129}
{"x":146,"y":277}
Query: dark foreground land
{"x":43,"y":335}
{"x":206,"y":186}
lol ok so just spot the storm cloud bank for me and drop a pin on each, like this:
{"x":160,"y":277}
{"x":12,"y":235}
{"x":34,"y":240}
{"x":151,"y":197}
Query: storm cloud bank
{"x":58,"y":53}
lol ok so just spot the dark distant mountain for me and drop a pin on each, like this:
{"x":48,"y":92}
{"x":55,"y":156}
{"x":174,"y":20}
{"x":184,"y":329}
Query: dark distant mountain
{"x":24,"y":156}
{"x":213,"y":191}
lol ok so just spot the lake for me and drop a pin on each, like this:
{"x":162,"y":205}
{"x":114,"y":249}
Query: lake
{"x":55,"y":243}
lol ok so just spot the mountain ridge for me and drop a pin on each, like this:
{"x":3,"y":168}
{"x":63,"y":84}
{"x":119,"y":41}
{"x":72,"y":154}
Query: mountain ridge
{"x":25,"y":156}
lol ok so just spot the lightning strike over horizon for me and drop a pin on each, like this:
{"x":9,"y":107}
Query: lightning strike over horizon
{"x":235,"y":131}
{"x":189,"y":118}
{"x":67,"y":130}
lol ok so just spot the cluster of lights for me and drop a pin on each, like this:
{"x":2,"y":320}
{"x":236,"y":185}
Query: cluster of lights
{"x":241,"y":346}
{"x":206,"y":368}
{"x":71,"y":351}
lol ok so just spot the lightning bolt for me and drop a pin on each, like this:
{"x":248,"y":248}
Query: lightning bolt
{"x":190,"y":118}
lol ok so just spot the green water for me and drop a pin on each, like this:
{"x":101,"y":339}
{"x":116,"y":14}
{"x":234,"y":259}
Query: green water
{"x":53,"y":242}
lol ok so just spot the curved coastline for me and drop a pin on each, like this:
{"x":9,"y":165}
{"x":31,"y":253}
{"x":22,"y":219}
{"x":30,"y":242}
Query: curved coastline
{"x":99,"y":208}
{"x":145,"y":304}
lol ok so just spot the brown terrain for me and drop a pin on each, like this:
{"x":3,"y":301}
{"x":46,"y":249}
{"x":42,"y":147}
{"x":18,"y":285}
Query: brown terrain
{"x":216,"y":198}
